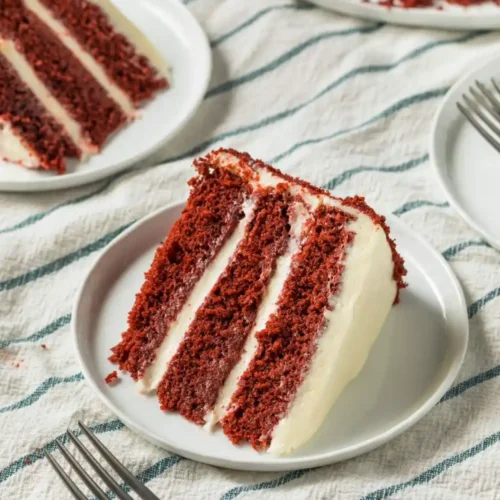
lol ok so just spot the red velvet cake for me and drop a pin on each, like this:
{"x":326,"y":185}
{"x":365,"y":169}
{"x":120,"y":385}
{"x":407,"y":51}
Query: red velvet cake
{"x":262,"y":303}
{"x":78,"y":67}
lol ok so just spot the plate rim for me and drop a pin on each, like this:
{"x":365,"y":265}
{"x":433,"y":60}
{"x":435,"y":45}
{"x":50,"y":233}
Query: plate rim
{"x":287,"y":463}
{"x":82,"y":178}
{"x":440,"y":170}
{"x":428,"y":18}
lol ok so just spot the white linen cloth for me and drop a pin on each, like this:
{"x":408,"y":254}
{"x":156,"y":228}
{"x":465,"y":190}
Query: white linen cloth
{"x":338,"y":101}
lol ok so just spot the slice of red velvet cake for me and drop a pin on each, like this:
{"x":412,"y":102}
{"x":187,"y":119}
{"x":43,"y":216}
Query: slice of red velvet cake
{"x":82,"y":69}
{"x":262,"y":303}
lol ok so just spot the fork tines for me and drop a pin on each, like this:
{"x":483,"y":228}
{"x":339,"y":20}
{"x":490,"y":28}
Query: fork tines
{"x":129,"y":479}
{"x":482,"y":110}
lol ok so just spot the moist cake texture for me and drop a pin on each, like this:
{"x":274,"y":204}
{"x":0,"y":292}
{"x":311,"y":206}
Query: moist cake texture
{"x":85,"y":70}
{"x":262,"y":303}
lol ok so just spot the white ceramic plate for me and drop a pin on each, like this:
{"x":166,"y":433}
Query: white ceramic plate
{"x":478,"y":17}
{"x":414,"y":361}
{"x":181,"y":41}
{"x":468,"y":168}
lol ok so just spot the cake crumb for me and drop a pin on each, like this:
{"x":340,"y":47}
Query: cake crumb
{"x":44,"y":346}
{"x":28,"y":461}
{"x":111,"y":378}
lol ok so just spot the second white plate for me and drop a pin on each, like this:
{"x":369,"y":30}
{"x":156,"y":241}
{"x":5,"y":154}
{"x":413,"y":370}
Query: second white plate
{"x":467,"y":167}
{"x":413,"y":363}
{"x":477,"y":17}
{"x":181,"y":41}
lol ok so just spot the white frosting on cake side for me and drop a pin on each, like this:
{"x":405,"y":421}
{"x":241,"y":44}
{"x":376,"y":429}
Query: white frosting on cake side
{"x":12,"y":148}
{"x":42,"y":93}
{"x":155,"y":371}
{"x":90,"y":64}
{"x":352,"y":326}
{"x":121,"y":24}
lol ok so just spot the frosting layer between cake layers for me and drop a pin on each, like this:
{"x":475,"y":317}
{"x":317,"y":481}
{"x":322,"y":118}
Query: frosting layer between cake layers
{"x":283,"y":316}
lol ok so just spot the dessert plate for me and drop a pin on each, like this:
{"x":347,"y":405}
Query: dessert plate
{"x":442,"y":15}
{"x":412,"y":364}
{"x":181,"y":41}
{"x":467,"y":167}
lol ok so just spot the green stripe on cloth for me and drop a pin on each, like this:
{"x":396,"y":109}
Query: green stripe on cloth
{"x":158,"y":468}
{"x":32,"y":219}
{"x":40,"y":334}
{"x":152,"y":472}
{"x":255,"y":17}
{"x":268,"y":485}
{"x":412,"y":205}
{"x":479,"y":304}
{"x":471,"y":382}
{"x":290,"y":55}
{"x":62,"y":262}
{"x":456,"y":249}
{"x":42,"y":389}
{"x":348,"y":174}
{"x":391,"y":110}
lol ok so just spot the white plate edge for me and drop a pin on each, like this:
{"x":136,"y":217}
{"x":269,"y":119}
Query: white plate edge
{"x":421,"y":17}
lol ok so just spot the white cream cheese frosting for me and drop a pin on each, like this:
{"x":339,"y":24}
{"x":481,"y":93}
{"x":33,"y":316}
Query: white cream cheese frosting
{"x":12,"y":148}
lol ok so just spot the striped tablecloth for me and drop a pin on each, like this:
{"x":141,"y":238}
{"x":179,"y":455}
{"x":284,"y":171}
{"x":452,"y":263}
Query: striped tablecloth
{"x":342,"y":102}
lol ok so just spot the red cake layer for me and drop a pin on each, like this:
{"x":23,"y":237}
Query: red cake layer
{"x":61,"y":72}
{"x":38,"y":131}
{"x":90,"y":26}
{"x":215,"y":339}
{"x":212,"y":213}
{"x":288,"y":343}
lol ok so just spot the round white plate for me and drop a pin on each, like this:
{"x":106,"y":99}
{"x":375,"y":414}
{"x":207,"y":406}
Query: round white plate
{"x":181,"y":41}
{"x":468,"y":168}
{"x":478,"y":17}
{"x":414,"y":361}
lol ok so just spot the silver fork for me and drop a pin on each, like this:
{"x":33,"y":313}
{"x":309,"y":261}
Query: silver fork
{"x":482,"y":110}
{"x":144,"y":492}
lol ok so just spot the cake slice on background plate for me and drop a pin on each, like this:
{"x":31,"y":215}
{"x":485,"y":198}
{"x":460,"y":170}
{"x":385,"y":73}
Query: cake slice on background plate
{"x":80,"y":67}
{"x":262,"y":304}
